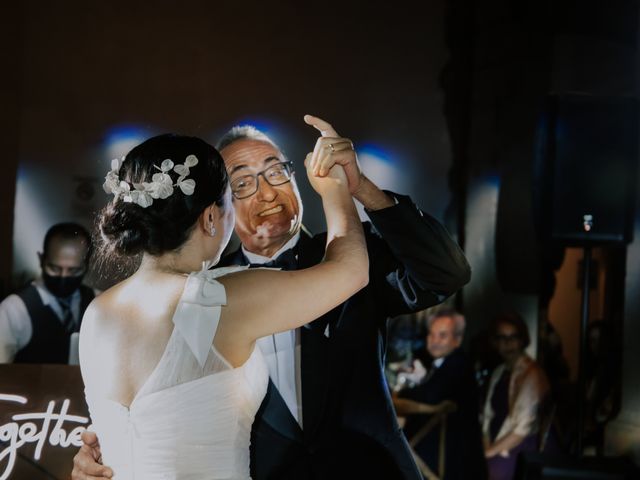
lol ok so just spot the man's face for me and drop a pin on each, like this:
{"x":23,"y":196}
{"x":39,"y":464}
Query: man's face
{"x":64,"y":258}
{"x":442,"y":339}
{"x":269,"y":218}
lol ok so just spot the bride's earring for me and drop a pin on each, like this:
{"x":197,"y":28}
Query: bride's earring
{"x":212,"y":228}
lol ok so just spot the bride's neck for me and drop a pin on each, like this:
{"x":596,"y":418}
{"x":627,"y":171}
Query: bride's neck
{"x":177,"y":263}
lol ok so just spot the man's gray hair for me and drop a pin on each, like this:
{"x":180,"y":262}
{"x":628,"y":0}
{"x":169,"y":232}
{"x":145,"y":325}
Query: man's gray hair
{"x":244,"y":132}
{"x":458,"y":320}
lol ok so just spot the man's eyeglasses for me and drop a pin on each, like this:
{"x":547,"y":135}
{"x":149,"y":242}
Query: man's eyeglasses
{"x":246,"y":185}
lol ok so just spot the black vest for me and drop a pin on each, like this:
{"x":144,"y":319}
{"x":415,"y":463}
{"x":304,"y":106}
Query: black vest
{"x":49,"y":340}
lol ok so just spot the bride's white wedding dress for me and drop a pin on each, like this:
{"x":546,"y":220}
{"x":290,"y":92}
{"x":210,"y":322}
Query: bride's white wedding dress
{"x":192,"y":417}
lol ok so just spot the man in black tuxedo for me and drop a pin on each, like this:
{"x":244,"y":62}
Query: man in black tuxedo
{"x":450,"y":378}
{"x":327,"y":413}
{"x":345,"y":415}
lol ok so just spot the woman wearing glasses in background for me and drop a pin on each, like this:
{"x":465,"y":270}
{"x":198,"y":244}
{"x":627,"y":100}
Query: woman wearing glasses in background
{"x":517,"y":389}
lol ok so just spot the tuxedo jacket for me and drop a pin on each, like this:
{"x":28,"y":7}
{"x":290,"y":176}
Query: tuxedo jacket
{"x":349,"y":423}
{"x":464,"y":455}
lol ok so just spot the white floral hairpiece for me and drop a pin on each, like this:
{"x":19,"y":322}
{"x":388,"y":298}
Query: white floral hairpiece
{"x":161,"y":185}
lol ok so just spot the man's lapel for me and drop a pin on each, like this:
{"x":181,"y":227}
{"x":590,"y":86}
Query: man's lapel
{"x":310,"y":251}
{"x":315,"y":347}
{"x":273,"y":410}
{"x":314,"y":371}
{"x":314,"y":356}
{"x":276,"y":414}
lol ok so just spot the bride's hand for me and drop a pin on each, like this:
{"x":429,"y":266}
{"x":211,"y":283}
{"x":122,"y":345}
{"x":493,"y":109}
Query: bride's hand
{"x":334,"y":181}
{"x":333,"y":149}
{"x":323,"y":171}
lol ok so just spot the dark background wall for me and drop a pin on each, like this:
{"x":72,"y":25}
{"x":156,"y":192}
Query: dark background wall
{"x":87,"y":70}
{"x":10,"y":95}
{"x":523,"y":51}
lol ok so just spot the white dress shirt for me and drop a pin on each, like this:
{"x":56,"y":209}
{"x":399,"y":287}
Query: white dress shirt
{"x":282,"y":350}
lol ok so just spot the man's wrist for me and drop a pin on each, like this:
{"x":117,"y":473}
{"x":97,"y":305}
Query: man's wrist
{"x":372,"y":197}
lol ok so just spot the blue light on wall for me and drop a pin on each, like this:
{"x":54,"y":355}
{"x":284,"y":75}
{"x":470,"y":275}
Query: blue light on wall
{"x":120,"y":139}
{"x":381,"y":167}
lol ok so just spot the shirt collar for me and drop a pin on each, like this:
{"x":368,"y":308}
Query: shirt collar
{"x":255,"y":258}
{"x":438,"y":362}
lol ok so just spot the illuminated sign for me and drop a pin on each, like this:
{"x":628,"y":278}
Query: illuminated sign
{"x":15,"y":434}
{"x":42,"y":415}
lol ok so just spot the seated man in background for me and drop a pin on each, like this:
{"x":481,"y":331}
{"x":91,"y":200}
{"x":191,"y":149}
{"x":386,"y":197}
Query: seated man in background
{"x":448,"y":387}
{"x":37,"y":322}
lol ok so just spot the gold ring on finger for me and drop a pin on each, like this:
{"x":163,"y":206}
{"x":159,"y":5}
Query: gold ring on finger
{"x":332,"y":148}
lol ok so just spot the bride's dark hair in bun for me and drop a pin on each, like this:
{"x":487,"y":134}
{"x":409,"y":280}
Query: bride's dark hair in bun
{"x":127,"y":229}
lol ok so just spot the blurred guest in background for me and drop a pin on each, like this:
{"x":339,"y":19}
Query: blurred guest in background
{"x":449,"y":386}
{"x":517,"y":392}
{"x":37,"y":322}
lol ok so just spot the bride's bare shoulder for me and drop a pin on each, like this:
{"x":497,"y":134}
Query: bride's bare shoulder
{"x":103,"y":309}
{"x":137,"y":298}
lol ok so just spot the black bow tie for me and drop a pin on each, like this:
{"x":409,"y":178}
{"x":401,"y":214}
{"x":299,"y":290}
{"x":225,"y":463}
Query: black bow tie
{"x":286,"y":261}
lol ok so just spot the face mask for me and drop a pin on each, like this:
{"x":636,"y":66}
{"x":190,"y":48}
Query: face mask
{"x":62,"y":286}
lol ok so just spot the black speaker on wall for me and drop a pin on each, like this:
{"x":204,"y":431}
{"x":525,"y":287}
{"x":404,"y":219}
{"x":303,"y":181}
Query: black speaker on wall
{"x":586,"y":169}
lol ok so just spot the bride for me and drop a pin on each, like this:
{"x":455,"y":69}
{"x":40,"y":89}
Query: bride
{"x":172,"y":376}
